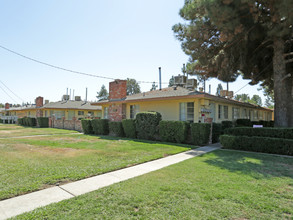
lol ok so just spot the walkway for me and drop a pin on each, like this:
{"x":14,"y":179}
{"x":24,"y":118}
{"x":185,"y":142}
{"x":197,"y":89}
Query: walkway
{"x":25,"y":203}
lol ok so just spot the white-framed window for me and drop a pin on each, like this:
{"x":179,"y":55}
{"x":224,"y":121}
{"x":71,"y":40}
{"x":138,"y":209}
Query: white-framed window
{"x":106,"y":112}
{"x":134,"y":109}
{"x":244,"y":113}
{"x":80,"y":113}
{"x":223,"y":112}
{"x":235,"y":113}
{"x":186,"y":111}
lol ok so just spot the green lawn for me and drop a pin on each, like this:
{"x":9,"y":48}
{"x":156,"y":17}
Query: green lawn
{"x":218,"y":185}
{"x":12,"y":130}
{"x":29,"y":164}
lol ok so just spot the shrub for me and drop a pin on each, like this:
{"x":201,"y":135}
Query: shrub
{"x":129,"y":128}
{"x":217,"y":131}
{"x":87,"y":126}
{"x":200,"y":133}
{"x":116,"y":129}
{"x":173,"y":131}
{"x":31,"y":122}
{"x":147,"y":124}
{"x":100,"y":126}
{"x":1,"y":121}
{"x":258,"y":144}
{"x":242,"y":123}
{"x":286,"y":133}
{"x":43,"y":122}
{"x":227,"y":124}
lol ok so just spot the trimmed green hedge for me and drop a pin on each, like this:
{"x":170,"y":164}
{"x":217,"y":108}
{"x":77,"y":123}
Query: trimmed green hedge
{"x":116,"y":129}
{"x":30,"y":122}
{"x":100,"y":126}
{"x":258,"y":144}
{"x":1,"y":121}
{"x":43,"y":122}
{"x":226,"y":124}
{"x":87,"y":126}
{"x":129,"y":128}
{"x":173,"y":131}
{"x":217,"y":131}
{"x":147,"y":124}
{"x":286,"y":133}
{"x":200,"y":133}
{"x":242,"y":123}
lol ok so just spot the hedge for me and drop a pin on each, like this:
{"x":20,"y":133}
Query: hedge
{"x":31,"y":122}
{"x":43,"y":122}
{"x":173,"y":131}
{"x":87,"y":126}
{"x":200,"y":133}
{"x":286,"y":133}
{"x":217,"y":131}
{"x":100,"y":126}
{"x":1,"y":121}
{"x":227,"y":124}
{"x":242,"y":123}
{"x":116,"y":129}
{"x":129,"y":128}
{"x":258,"y":144}
{"x":147,"y":124}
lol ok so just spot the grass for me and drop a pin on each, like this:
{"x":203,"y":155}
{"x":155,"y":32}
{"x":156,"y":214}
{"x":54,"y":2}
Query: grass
{"x":12,"y":130}
{"x":29,"y":164}
{"x":218,"y":185}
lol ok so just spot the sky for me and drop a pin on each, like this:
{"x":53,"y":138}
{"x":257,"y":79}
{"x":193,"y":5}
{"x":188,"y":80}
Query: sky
{"x":115,"y":38}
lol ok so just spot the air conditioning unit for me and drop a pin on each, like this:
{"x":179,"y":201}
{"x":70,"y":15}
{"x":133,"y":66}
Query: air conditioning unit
{"x":65,"y":97}
{"x":230,"y":94}
{"x":191,"y":83}
{"x":223,"y":93}
{"x":46,"y":101}
{"x":180,"y":80}
{"x":77,"y":98}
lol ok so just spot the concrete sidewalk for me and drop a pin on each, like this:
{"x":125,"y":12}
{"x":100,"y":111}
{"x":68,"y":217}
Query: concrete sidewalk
{"x":25,"y":203}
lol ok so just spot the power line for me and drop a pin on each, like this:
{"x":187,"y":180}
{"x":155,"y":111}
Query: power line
{"x":8,"y":94}
{"x":12,"y":91}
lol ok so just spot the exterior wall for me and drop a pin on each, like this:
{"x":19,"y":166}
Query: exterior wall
{"x":65,"y":124}
{"x":117,"y":89}
{"x":117,"y":112}
{"x":97,"y":113}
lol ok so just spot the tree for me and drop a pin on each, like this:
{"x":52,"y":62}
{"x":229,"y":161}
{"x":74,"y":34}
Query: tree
{"x":269,"y":101}
{"x":242,"y":97}
{"x":219,"y":89}
{"x":154,"y":86}
{"x":256,"y":99}
{"x":252,"y":38}
{"x":132,"y":87}
{"x":171,"y":81}
{"x":103,"y":93}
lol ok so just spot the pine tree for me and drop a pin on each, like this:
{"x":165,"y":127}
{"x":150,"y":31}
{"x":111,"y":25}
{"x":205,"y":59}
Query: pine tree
{"x":103,"y":93}
{"x":228,"y":38}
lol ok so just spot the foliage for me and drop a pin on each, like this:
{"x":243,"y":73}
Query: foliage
{"x":226,"y":124}
{"x":26,"y":121}
{"x":147,"y":125}
{"x":1,"y":121}
{"x":256,"y":99}
{"x":242,"y":123}
{"x":171,"y":81}
{"x":216,"y":132}
{"x":116,"y":129}
{"x":87,"y":126}
{"x":242,"y":97}
{"x":225,"y":39}
{"x":154,"y":86}
{"x":285,"y":133}
{"x":200,"y":133}
{"x":219,"y":89}
{"x":132,"y":87}
{"x":100,"y":126}
{"x":269,"y":94}
{"x":129,"y":128}
{"x":174,"y":131}
{"x":258,"y":144}
{"x":103,"y":93}
{"x":43,"y":122}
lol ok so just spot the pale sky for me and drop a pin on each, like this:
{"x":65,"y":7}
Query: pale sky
{"x":115,"y":38}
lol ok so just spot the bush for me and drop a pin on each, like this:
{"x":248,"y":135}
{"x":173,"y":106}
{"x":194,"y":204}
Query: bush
{"x":286,"y":133}
{"x":129,"y":128}
{"x":100,"y":126}
{"x":87,"y":126}
{"x":242,"y":123}
{"x":31,"y":122}
{"x":227,"y":124}
{"x":147,"y":124}
{"x":200,"y":133}
{"x":1,"y":121}
{"x":258,"y":144}
{"x":43,"y":122}
{"x":217,"y":131}
{"x":173,"y":131}
{"x":116,"y":129}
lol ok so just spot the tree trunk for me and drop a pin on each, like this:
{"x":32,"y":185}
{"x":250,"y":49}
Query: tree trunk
{"x":282,"y":87}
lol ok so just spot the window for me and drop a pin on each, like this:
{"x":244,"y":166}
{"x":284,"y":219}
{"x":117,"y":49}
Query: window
{"x":91,"y":114}
{"x":70,"y":114}
{"x":235,"y":113}
{"x":223,"y":112}
{"x":106,"y":109}
{"x":59,"y":114}
{"x":244,"y":113}
{"x":80,"y":113}
{"x":134,"y":109}
{"x":220,"y":110}
{"x":46,"y":113}
{"x":226,"y":112}
{"x":186,"y":111}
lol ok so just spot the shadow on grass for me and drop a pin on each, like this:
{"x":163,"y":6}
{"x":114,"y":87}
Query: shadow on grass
{"x":256,"y":165}
{"x":108,"y":137}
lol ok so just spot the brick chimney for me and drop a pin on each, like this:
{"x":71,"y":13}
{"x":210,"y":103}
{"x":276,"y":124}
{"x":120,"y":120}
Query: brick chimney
{"x":39,"y":102}
{"x":117,"y":89}
{"x":7,"y":106}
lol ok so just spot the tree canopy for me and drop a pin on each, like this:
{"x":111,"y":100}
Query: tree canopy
{"x":132,"y":86}
{"x":103,"y":93}
{"x":251,"y":38}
